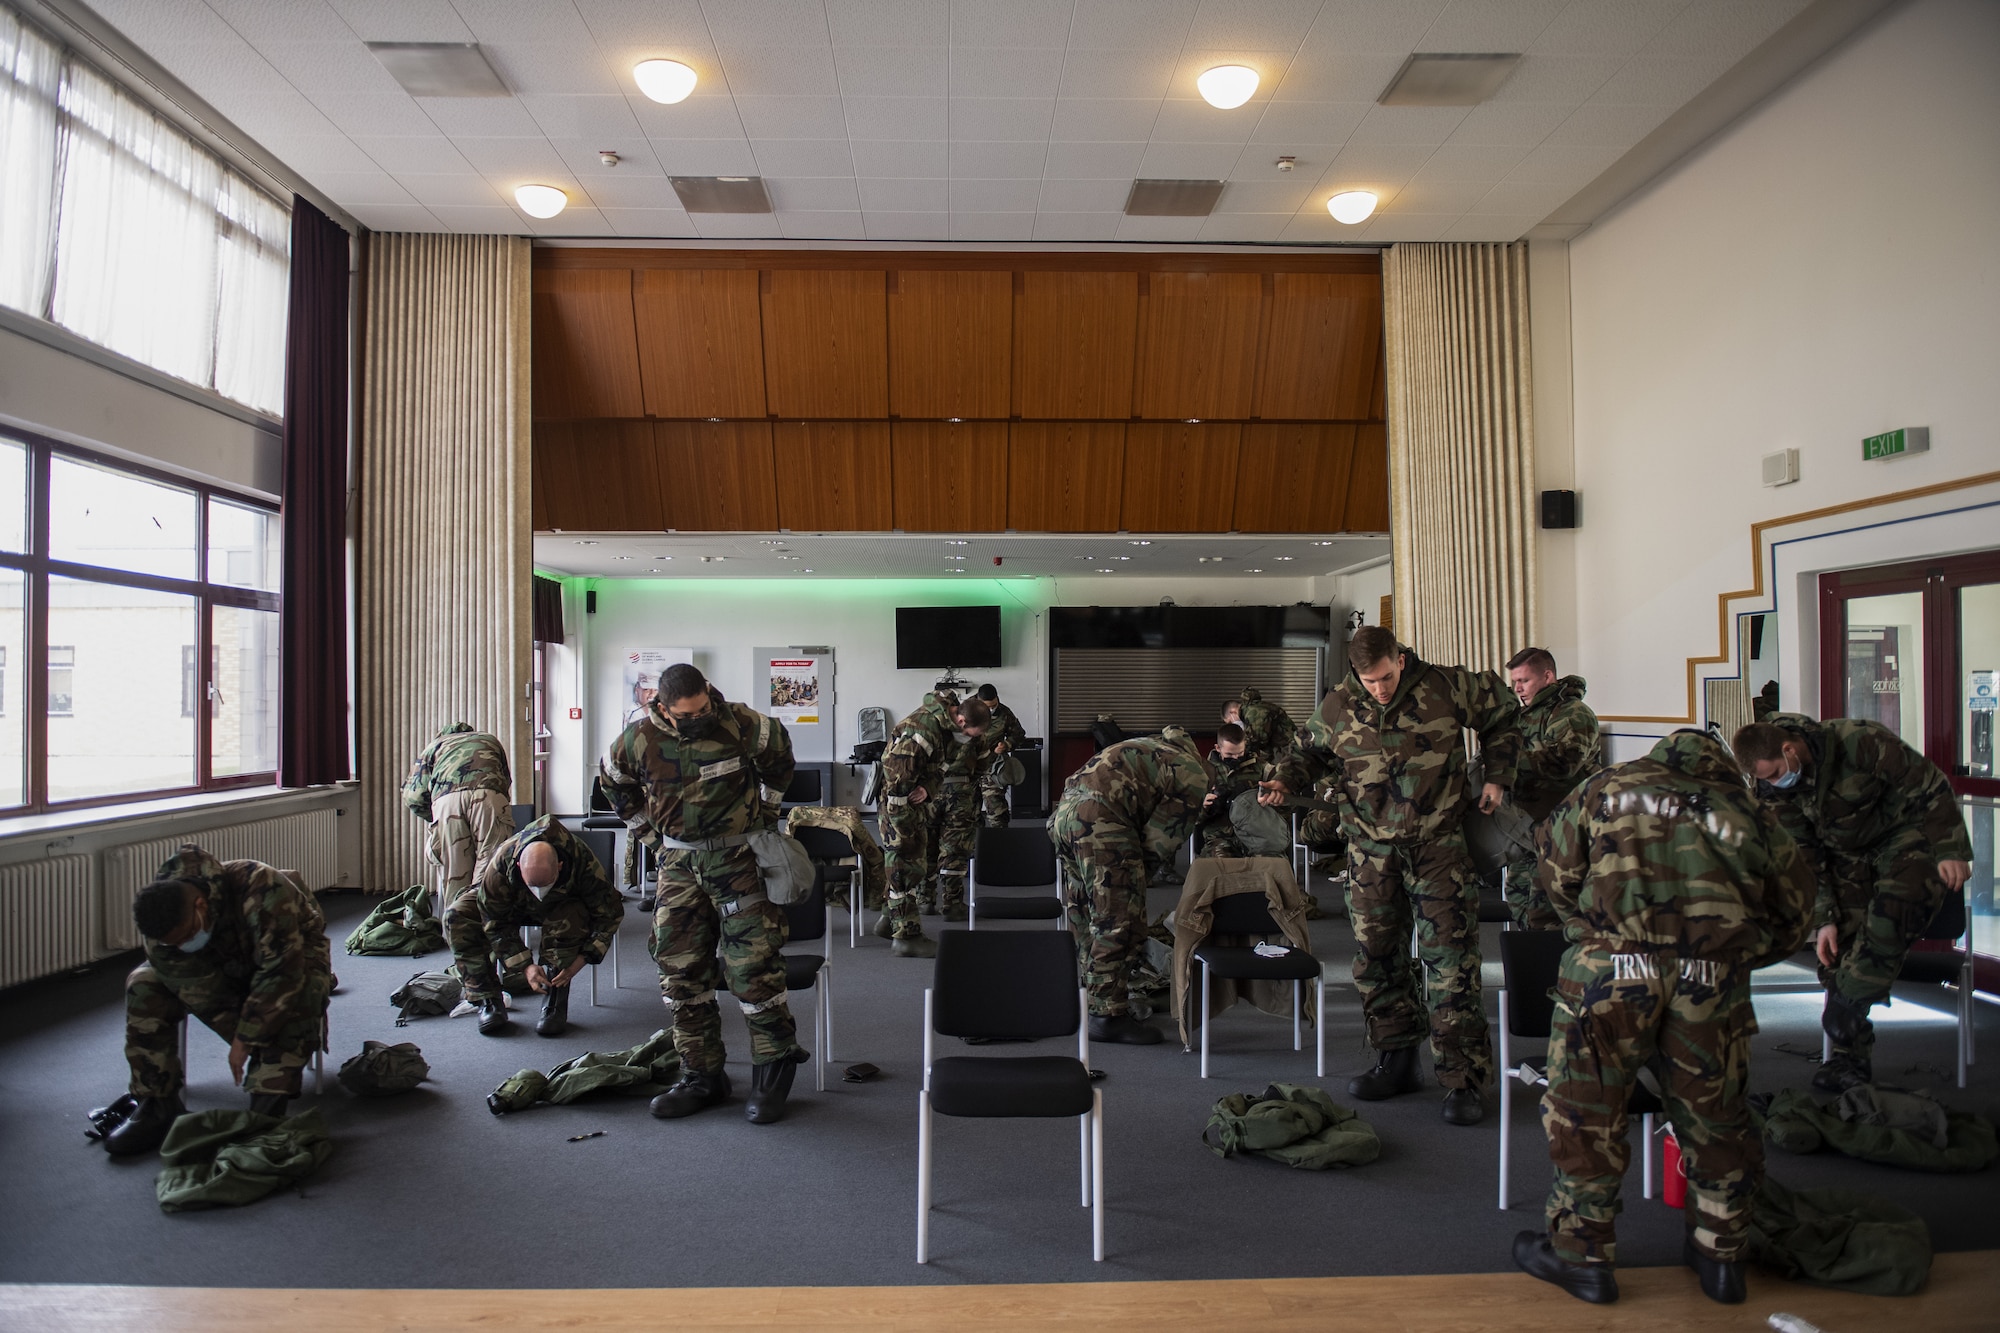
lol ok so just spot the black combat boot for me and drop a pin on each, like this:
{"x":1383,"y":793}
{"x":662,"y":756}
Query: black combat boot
{"x":1596,"y":1283}
{"x":146,"y":1128}
{"x":1464,"y":1106}
{"x":555,"y":1012}
{"x":270,"y":1103}
{"x":1123,"y":1029}
{"x":1721,"y":1279}
{"x":916,"y":946}
{"x":770,"y":1085}
{"x":492,"y":1015}
{"x":694,"y":1090}
{"x":1844,"y":1020}
{"x":955,"y":912}
{"x":1394,"y":1074}
{"x":1842,"y":1071}
{"x":884,"y":927}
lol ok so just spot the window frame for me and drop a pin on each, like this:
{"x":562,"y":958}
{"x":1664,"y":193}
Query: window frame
{"x":38,"y":568}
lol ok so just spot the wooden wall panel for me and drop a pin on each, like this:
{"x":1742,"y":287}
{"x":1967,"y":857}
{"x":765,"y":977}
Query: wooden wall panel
{"x":717,"y":476}
{"x":1293,"y":478}
{"x":1075,"y":337}
{"x":1198,"y":344}
{"x":1325,"y":347}
{"x":950,"y":477}
{"x":1368,"y":483}
{"x":826,"y":343}
{"x":586,"y":352}
{"x":1180,"y":478}
{"x":701,"y":342}
{"x":834,"y":476}
{"x":597,"y":476}
{"x":1065,"y":476}
{"x":951,"y":344}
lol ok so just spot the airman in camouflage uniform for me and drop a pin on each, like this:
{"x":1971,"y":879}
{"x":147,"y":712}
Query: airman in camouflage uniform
{"x":242,"y":947}
{"x":1672,"y":884}
{"x":954,"y":811}
{"x":1268,"y":730}
{"x":847,"y":821}
{"x":1119,"y":824}
{"x":1004,"y":735}
{"x":577,"y":909}
{"x":1235,"y":773}
{"x":913,"y":769}
{"x":1391,"y":736}
{"x":461,"y":786}
{"x":1560,"y":747}
{"x":686,"y":778}
{"x":1887,"y":840}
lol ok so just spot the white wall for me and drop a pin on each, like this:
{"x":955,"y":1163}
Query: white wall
{"x":1822,"y":271}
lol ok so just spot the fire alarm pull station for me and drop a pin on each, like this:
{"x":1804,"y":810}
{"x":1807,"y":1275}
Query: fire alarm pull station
{"x":576,"y":715}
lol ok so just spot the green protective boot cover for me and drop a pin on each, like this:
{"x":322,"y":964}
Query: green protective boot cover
{"x":518,"y":1093}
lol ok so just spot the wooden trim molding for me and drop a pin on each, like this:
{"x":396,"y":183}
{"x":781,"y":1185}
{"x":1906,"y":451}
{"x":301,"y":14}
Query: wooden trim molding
{"x":1757,"y":588}
{"x":1046,"y":261}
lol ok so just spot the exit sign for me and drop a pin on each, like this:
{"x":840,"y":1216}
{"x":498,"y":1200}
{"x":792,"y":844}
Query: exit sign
{"x":1889,"y":444}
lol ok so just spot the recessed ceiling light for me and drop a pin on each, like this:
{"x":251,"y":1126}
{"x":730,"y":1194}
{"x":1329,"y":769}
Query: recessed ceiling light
{"x":1194,"y":421}
{"x":1121,"y":557}
{"x":1142,"y":543}
{"x":1285,"y":557}
{"x":662,"y":557}
{"x":1253,"y":571}
{"x":541,"y":201}
{"x":1351,"y":206}
{"x":1322,"y":543}
{"x":653,"y":571}
{"x":805,"y":571}
{"x":1227,"y":86}
{"x":771,"y":541}
{"x":665,"y":81}
{"x":582,"y":543}
{"x":953,"y":541}
{"x":1107,"y":571}
{"x":621,"y":557}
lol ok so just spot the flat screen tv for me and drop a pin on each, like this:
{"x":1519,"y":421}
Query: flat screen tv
{"x":933,"y":637}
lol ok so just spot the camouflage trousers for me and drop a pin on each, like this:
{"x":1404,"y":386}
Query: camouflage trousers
{"x":467,"y":827}
{"x":847,"y":821}
{"x":1526,"y":902}
{"x":906,"y":840}
{"x":994,"y":809}
{"x":1104,"y":877}
{"x":713,"y":902}
{"x":1882,"y":910}
{"x":154,"y":1011}
{"x":1691,"y":1020}
{"x":1430,"y":887}
{"x":565,"y":934}
{"x":954,"y":826}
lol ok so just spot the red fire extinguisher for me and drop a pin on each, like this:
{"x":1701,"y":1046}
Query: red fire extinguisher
{"x":1674,"y":1180}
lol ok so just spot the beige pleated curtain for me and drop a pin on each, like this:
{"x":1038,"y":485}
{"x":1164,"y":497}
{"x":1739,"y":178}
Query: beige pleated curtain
{"x":1461,"y":451}
{"x":442,"y":595}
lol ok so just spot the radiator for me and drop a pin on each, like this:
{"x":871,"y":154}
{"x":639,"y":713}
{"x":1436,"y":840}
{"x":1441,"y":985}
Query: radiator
{"x":46,"y":921}
{"x":306,"y":842}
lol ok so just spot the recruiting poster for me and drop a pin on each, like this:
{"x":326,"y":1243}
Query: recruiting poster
{"x":795,"y":690}
{"x":642,"y":677}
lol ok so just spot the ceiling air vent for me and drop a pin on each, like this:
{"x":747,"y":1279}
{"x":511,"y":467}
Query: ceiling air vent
{"x":1172,"y":199}
{"x":439,"y":69}
{"x":1448,"y":80}
{"x":722,"y":194}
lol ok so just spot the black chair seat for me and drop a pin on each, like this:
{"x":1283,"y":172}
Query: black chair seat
{"x":1493,"y":910}
{"x":802,"y":969}
{"x":1019,"y":907}
{"x":1240,"y":962}
{"x":1935,"y":969}
{"x":1026,"y":1085}
{"x":603,"y":821}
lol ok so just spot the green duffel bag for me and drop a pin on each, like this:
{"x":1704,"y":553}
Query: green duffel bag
{"x":382,"y":1070}
{"x":402,"y":925}
{"x":1301,"y":1127}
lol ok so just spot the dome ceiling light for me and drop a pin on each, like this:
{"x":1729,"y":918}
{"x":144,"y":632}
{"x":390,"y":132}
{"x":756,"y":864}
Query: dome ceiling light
{"x":665,"y":81}
{"x":541,"y":201}
{"x":1227,"y":86}
{"x":1352,"y":206}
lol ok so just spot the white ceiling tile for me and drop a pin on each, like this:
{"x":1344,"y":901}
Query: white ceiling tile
{"x":1338,"y":76}
{"x":1093,"y":161}
{"x":896,"y":195}
{"x":736,"y":226}
{"x":1430,"y":125}
{"x":374,"y":113}
{"x":397,"y":219}
{"x":832,"y":194}
{"x":451,"y":191}
{"x":1609,"y":124}
{"x":649,"y":222}
{"x":992,"y":226}
{"x":705,"y":157}
{"x":1192,"y":121}
{"x":364,"y":187}
{"x":833,"y":226}
{"x":1385,"y":228}
{"x":1472,"y":162}
{"x":403,"y":20}
{"x":1098,"y":196}
{"x":893,"y":226}
{"x":899,"y":157}
{"x":1490,"y":227}
{"x":1104,"y":119}
{"x":1001,"y":117}
{"x":1557,"y":78}
{"x":1244,"y":226}
{"x":1005,"y":72}
{"x":1077,"y":226}
{"x":1188,"y":161}
{"x":635,"y":157}
{"x":279,"y":115}
{"x":889,"y":23}
{"x":481,"y":117}
{"x":780,"y":71}
{"x":614,"y":191}
{"x":527,"y":158}
{"x":1604,"y":28}
{"x":803,"y":157}
{"x":905,"y":118}
{"x":583,"y":117}
{"x":1565,"y":162}
{"x":1517,"y":123}
{"x":1308,"y":122}
{"x":1711,"y":27}
{"x":1006,"y":23}
{"x":572,"y":221}
{"x":1669,"y":82}
{"x":1491,"y":25}
{"x":1273,"y":196}
{"x":150,"y":21}
{"x":1377,"y":167}
{"x":1371,"y":27}
{"x":792,"y":117}
{"x":998,"y":161}
{"x":1144,"y":74}
{"x":711,"y":116}
{"x":310,"y":155}
{"x":1314,"y":226}
{"x":1161,"y":229}
{"x":417,"y":155}
{"x":1268,"y":24}
{"x":1132,"y":25}
{"x":1520,"y":198}
{"x":1435,"y":196}
{"x":231,"y":66}
{"x":1259,"y":162}
{"x":525,"y":22}
{"x":536,"y":67}
{"x":892,"y":71}
{"x":973,"y":196}
{"x":329,"y":67}
{"x":743,"y":23}
{"x":482,"y":220}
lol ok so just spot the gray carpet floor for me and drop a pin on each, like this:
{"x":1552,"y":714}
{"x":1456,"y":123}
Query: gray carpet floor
{"x":431,"y":1190}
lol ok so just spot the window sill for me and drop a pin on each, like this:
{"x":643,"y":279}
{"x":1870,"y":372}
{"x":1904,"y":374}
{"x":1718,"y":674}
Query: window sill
{"x":75,"y":821}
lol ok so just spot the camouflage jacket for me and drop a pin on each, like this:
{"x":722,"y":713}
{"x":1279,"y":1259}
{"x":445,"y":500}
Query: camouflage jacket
{"x":920,"y":748}
{"x":1868,"y":798}
{"x":506,"y":903}
{"x":269,"y":939}
{"x":1560,"y":747}
{"x":1232,"y":777}
{"x":663,"y":786}
{"x":1398,"y":768}
{"x":1268,"y":731}
{"x":1673,"y":852}
{"x":1004,"y":727}
{"x":1150,"y":785}
{"x":460,"y":759}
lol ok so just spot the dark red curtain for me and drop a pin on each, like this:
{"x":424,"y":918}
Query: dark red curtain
{"x":313,"y":739}
{"x":548,"y":610}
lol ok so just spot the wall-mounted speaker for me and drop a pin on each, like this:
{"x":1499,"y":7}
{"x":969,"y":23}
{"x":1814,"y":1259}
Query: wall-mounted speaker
{"x":590,"y":602}
{"x":1558,"y":509}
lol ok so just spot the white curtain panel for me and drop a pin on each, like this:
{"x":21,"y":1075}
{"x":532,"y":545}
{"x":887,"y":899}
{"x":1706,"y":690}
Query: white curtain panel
{"x":254,"y":271}
{"x":30,"y":70}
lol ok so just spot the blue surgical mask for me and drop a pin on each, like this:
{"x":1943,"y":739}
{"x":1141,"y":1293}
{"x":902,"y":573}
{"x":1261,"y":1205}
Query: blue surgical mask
{"x":196,"y":942}
{"x":1788,"y":779}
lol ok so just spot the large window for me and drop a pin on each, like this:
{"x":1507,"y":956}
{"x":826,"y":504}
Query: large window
{"x":144,"y":612}
{"x":119,"y":227}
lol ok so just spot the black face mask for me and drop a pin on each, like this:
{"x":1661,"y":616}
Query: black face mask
{"x":697,"y":728}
